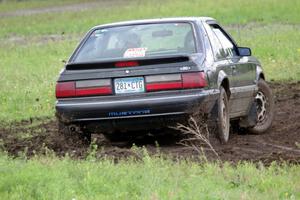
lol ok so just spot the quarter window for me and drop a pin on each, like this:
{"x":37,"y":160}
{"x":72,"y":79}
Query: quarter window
{"x":228,"y":46}
{"x":217,"y":47}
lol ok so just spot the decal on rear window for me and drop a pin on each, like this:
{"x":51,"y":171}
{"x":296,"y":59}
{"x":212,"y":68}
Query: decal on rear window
{"x":135,"y":52}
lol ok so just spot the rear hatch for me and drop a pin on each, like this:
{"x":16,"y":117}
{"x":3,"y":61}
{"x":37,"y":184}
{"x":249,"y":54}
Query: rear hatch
{"x":130,"y":76}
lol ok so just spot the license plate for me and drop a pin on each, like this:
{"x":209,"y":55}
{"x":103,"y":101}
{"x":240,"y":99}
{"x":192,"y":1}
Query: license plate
{"x":129,"y":85}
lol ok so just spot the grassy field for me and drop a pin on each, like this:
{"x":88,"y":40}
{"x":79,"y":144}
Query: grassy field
{"x":227,"y":12}
{"x":32,"y":48}
{"x":149,"y":178}
{"x":15,"y":5}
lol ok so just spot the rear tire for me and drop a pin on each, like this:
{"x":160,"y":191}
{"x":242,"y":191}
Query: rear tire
{"x":223,"y":121}
{"x":264,"y":108}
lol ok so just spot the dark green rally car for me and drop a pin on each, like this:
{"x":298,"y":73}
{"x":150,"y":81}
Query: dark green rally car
{"x":151,"y":74}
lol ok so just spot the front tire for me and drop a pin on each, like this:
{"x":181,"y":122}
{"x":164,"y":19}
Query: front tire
{"x":264,"y":108}
{"x":223,"y":123}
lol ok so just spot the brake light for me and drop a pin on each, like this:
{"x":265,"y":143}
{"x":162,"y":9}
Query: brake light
{"x":194,"y":80}
{"x":93,"y":91}
{"x":65,"y":89}
{"x":83,"y":88}
{"x":163,"y":86}
{"x":127,"y":64}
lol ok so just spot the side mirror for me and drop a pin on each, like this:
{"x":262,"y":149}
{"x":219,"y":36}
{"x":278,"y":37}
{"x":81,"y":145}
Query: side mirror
{"x":244,"y":51}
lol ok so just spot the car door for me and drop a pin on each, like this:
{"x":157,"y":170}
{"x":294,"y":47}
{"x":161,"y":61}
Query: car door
{"x":242,"y":84}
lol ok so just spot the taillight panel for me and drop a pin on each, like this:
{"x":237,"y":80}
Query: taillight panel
{"x":175,"y":81}
{"x":152,"y":83}
{"x":83,"y":88}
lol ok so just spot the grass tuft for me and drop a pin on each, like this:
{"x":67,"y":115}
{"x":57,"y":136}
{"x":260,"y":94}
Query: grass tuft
{"x":47,"y":177}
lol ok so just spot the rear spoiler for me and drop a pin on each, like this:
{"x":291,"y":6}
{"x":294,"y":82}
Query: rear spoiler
{"x":126,"y":63}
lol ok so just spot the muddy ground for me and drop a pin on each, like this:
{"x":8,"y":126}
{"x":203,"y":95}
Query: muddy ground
{"x":280,"y":143}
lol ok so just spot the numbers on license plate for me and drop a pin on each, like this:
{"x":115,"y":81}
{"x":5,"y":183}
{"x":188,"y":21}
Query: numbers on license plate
{"x":133,"y":85}
{"x":129,"y":85}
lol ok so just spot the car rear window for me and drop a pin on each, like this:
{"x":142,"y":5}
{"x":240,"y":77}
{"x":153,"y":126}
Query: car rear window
{"x":145,"y":40}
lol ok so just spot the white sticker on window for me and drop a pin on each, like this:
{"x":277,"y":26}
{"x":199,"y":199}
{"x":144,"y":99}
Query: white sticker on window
{"x":135,"y":52}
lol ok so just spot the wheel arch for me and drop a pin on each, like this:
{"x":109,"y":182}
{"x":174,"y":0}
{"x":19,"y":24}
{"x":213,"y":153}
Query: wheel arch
{"x":223,"y":81}
{"x":259,"y":73}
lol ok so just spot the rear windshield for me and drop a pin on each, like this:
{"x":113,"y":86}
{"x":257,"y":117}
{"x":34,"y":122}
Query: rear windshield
{"x":137,"y":41}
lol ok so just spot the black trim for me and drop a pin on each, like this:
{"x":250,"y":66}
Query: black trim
{"x":111,"y":63}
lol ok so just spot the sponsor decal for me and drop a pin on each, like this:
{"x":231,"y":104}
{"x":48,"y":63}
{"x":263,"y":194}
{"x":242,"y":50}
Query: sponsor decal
{"x":135,"y":52}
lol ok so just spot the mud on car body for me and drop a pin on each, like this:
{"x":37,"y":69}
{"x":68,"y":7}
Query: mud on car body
{"x":154,"y":73}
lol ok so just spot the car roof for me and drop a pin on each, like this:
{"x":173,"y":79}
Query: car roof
{"x":158,"y":20}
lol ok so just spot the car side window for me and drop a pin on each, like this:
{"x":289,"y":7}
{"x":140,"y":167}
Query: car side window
{"x":228,"y":46}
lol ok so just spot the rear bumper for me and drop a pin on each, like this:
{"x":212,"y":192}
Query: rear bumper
{"x":146,"y":105}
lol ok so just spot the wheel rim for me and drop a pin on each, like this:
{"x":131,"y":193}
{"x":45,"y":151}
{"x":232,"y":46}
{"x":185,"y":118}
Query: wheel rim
{"x":224,"y":119}
{"x":261,"y":107}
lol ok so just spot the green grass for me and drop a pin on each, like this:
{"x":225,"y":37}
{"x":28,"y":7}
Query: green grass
{"x":227,"y":12}
{"x":29,"y":63}
{"x":277,"y":46}
{"x":14,"y":5}
{"x":150,"y":178}
{"x":27,"y":89}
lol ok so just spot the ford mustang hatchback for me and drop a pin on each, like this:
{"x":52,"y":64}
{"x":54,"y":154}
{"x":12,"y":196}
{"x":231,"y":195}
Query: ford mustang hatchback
{"x":151,"y":74}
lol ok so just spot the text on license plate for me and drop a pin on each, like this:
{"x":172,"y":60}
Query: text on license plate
{"x":129,"y":85}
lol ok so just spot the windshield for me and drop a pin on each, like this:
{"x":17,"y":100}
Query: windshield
{"x":138,"y":41}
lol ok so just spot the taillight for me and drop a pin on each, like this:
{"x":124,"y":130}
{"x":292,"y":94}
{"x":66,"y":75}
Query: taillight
{"x":194,"y":80}
{"x":65,"y":89}
{"x":83,"y":88}
{"x":163,"y":82}
{"x":93,"y":87}
{"x":164,"y":86}
{"x":176,"y":81}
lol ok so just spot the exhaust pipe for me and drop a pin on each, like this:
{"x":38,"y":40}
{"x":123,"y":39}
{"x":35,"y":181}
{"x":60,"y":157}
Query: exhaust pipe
{"x":74,"y":128}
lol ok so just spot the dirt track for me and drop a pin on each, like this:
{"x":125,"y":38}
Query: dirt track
{"x":281,"y":143}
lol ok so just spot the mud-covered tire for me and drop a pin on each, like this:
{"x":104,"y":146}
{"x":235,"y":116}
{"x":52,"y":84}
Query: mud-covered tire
{"x":223,"y":121}
{"x":264,"y":108}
